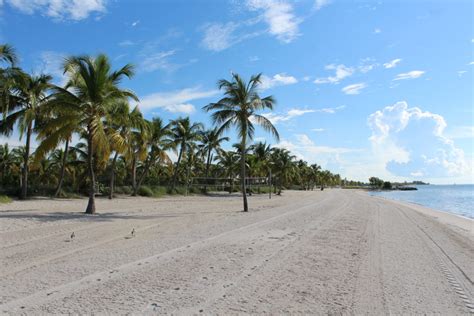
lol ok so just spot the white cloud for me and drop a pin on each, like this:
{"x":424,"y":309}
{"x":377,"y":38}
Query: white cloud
{"x":276,"y":118}
{"x":354,"y":88}
{"x":279,"y":16}
{"x":127,"y":43}
{"x":331,"y":110}
{"x":461,"y":132}
{"x":471,"y":63}
{"x":341,"y":72}
{"x":377,"y":31}
{"x":253,"y":59}
{"x":158,"y":61}
{"x":280,"y":79}
{"x":135,"y":23}
{"x":318,"y":130}
{"x":175,"y":101}
{"x":319,"y":4}
{"x":303,"y":147}
{"x":60,"y":9}
{"x":409,"y":75}
{"x":397,"y":152}
{"x":51,"y":63}
{"x":461,"y":73}
{"x":392,"y":64}
{"x":218,"y":36}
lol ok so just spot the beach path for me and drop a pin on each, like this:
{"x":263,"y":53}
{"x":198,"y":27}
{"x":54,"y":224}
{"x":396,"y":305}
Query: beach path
{"x":326,"y":252}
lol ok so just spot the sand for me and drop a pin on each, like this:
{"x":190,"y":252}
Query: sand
{"x":329,"y":252}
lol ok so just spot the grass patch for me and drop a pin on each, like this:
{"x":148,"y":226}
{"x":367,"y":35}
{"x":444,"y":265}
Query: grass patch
{"x":5,"y":199}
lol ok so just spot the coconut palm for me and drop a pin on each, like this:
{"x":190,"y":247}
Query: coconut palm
{"x":87,"y":98}
{"x":158,"y":143}
{"x":211,"y":142}
{"x":122,"y":125}
{"x":239,"y":109}
{"x":183,"y":133}
{"x":28,"y":96}
{"x":284,"y":167}
{"x":228,"y":161}
{"x":8,"y":54}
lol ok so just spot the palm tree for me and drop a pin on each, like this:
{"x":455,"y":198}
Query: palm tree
{"x":315,"y":174}
{"x":283,"y":162}
{"x":239,"y":108}
{"x":228,"y":161}
{"x":121,"y":124}
{"x":28,"y":96}
{"x":158,"y":142}
{"x":183,"y":134}
{"x":87,"y":97}
{"x":211,"y":141}
{"x":8,"y":54}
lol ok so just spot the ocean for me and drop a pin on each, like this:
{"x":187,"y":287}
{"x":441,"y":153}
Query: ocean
{"x":455,"y":199}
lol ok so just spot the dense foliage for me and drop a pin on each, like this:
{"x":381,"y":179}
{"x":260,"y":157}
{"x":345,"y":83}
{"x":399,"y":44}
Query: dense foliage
{"x":119,"y":151}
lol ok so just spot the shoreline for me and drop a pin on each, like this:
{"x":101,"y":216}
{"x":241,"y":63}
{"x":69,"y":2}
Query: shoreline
{"x":459,"y":221}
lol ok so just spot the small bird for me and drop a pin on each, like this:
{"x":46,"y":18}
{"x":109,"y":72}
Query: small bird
{"x":72,"y":236}
{"x":133,"y":232}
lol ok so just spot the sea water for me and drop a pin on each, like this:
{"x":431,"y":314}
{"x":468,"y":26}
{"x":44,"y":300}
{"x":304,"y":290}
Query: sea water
{"x":456,"y":199}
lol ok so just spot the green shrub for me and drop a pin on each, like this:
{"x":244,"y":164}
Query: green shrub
{"x":5,"y":199}
{"x":145,"y":191}
{"x":125,"y":190}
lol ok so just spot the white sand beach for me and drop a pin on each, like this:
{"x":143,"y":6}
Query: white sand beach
{"x":317,"y":252}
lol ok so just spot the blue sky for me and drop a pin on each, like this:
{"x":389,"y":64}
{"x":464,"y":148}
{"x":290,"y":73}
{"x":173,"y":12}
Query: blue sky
{"x":364,"y":88}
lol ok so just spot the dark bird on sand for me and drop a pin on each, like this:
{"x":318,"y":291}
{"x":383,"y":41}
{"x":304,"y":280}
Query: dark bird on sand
{"x":133,"y":232}
{"x":73,"y":235}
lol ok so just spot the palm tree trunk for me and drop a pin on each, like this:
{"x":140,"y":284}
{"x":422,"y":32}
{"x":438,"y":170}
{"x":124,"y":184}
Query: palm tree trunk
{"x":26,"y":157}
{"x":242,"y":174}
{"x":143,"y":175}
{"x":63,"y":169}
{"x":112,"y":176}
{"x":187,"y":178}
{"x":208,"y":163}
{"x":175,"y":173}
{"x":90,"y":162}
{"x":134,"y":176}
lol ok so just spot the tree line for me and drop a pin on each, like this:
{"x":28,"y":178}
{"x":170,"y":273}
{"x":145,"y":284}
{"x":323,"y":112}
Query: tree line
{"x":121,"y":151}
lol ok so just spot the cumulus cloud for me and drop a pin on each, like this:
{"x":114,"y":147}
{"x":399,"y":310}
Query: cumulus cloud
{"x":354,"y":88}
{"x":280,"y":79}
{"x":410,"y":75}
{"x":392,"y":64}
{"x":341,"y":72}
{"x":407,"y":141}
{"x":60,"y":9}
{"x":279,"y":16}
{"x":175,"y":101}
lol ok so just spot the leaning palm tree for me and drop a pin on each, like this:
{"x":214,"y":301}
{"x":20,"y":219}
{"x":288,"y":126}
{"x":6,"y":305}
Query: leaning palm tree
{"x":210,"y":142}
{"x":28,"y":96}
{"x":183,"y":133}
{"x":87,"y":97}
{"x":239,"y":109}
{"x":158,"y":142}
{"x":121,"y":125}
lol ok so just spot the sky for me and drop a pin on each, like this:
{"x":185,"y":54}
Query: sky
{"x":363,"y":88}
